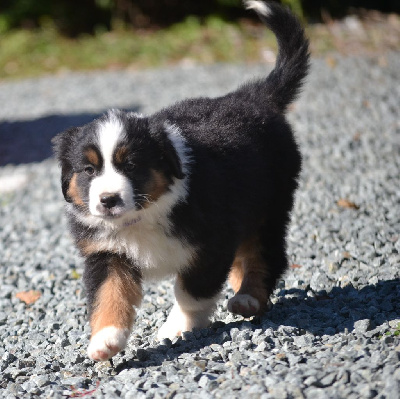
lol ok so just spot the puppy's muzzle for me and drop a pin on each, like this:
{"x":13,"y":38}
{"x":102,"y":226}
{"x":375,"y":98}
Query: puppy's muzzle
{"x":110,"y":200}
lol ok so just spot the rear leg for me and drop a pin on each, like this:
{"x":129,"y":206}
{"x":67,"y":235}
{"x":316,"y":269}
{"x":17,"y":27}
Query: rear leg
{"x":197,"y":290}
{"x":187,"y":313}
{"x":259,"y":262}
{"x":247,"y":280}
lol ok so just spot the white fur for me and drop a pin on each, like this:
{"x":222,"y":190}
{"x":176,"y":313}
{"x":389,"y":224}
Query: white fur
{"x":258,"y":6}
{"x":149,"y":242}
{"x":110,"y":180}
{"x":179,"y":143}
{"x":107,"y":342}
{"x":135,"y":115}
{"x":153,"y":249}
{"x":144,"y":235}
{"x":186,"y":314}
{"x":246,"y":303}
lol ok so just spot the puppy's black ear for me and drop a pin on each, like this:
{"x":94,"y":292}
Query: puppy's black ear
{"x":172,"y":157}
{"x":175,"y":150}
{"x":62,"y":145}
{"x":172,"y":144}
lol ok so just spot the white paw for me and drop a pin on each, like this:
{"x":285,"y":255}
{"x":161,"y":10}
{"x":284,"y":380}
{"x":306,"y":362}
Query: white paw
{"x":174,"y":326}
{"x":107,"y":342}
{"x":179,"y":321}
{"x":244,"y":304}
{"x":168,"y":330}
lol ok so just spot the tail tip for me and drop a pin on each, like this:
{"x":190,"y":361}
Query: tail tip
{"x":259,"y":6}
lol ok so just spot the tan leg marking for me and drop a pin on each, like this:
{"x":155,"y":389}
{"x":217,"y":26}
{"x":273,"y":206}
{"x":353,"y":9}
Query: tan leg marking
{"x":113,"y":314}
{"x":89,"y":247}
{"x":247,"y":277}
{"x":236,"y":274}
{"x":115,"y":299}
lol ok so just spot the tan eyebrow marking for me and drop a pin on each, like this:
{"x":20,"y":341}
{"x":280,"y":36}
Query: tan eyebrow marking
{"x":121,"y":153}
{"x":92,"y":157}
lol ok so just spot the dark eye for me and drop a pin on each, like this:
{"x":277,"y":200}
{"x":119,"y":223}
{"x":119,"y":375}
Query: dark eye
{"x":129,"y":166}
{"x":89,"y":170}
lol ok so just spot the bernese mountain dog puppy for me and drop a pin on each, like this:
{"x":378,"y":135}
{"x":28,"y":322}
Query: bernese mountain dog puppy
{"x":201,"y":190}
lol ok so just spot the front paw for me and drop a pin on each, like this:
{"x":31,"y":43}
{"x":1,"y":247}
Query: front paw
{"x":107,"y":342}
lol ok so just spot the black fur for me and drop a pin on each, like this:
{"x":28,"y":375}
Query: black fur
{"x":63,"y":143}
{"x":283,"y":84}
{"x":243,"y":172}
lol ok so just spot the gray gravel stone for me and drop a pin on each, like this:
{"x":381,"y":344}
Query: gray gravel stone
{"x":332,"y":331}
{"x":362,"y":326}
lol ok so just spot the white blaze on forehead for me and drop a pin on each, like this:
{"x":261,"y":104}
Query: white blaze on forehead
{"x":110,"y":134}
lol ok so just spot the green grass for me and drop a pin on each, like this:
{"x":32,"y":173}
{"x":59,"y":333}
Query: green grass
{"x":25,"y":53}
{"x":31,"y":53}
{"x":395,"y":332}
{"x":6,"y":198}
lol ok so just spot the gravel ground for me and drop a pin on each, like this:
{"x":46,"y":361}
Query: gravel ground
{"x":333,"y":331}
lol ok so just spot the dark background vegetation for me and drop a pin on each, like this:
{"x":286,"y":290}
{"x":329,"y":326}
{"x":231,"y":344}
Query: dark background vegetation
{"x":73,"y":17}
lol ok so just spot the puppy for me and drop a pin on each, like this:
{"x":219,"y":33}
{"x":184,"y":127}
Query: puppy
{"x":201,"y":190}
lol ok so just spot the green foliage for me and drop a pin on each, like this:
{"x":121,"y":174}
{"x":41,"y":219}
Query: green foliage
{"x":229,"y":3}
{"x":75,"y":275}
{"x":212,"y":37}
{"x":194,"y":40}
{"x":68,"y":16}
{"x":6,"y":198}
{"x":296,"y":6}
{"x":87,"y":16}
{"x":395,"y":332}
{"x":106,"y":4}
{"x":22,"y":13}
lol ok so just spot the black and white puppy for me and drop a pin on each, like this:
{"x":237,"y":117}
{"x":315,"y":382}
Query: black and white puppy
{"x":201,"y":190}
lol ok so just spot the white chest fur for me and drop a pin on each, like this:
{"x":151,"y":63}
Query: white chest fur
{"x":153,"y":250}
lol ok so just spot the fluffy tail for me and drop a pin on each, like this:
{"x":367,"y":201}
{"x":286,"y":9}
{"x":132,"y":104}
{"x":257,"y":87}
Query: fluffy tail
{"x":283,"y":84}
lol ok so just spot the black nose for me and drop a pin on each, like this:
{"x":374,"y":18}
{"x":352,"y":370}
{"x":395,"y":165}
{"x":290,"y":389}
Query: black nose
{"x":109,"y":200}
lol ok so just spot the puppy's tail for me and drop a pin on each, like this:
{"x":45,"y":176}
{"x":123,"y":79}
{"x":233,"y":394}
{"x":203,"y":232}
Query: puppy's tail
{"x":283,"y":84}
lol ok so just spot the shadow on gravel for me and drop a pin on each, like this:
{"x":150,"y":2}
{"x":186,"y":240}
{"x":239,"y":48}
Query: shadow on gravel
{"x":338,"y":310}
{"x":325,"y":314}
{"x":30,"y":141}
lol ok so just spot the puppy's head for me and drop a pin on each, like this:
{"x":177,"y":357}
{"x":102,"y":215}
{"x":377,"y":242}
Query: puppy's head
{"x":117,"y":165}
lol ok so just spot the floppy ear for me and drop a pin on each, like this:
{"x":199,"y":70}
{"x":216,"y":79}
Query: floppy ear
{"x":173,"y":160}
{"x":62,"y":144}
{"x":175,"y":150}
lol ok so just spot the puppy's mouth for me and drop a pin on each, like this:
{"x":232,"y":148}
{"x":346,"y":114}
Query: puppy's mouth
{"x":112,"y":214}
{"x":120,"y":218}
{"x":121,"y":215}
{"x":112,"y":208}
